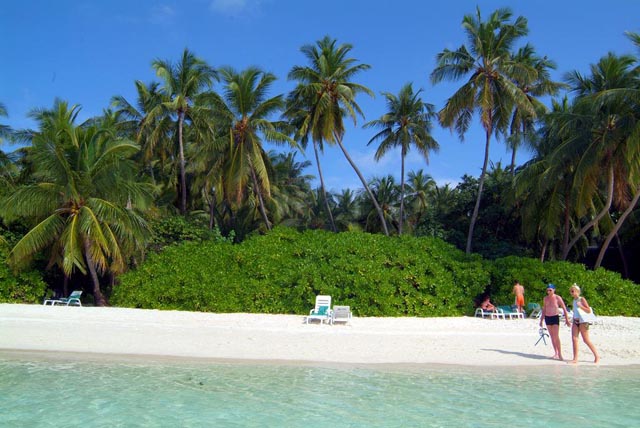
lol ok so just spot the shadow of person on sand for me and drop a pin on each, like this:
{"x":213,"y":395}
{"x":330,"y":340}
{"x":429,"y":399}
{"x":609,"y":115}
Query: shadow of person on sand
{"x":520,"y":354}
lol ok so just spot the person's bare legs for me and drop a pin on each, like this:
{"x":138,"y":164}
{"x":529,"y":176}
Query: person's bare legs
{"x":554,"y":332}
{"x":584,"y":331}
{"x":575,"y":332}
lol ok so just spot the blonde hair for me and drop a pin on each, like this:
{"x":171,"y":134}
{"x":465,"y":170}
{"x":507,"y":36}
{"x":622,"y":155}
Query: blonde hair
{"x":575,"y":287}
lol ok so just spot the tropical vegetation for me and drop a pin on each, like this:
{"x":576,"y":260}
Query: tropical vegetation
{"x":183,"y":173}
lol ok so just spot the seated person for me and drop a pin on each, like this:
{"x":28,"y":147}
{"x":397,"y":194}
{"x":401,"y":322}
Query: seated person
{"x":486,"y":305}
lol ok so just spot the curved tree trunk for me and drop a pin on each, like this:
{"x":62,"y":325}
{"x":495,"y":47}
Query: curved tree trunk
{"x":597,"y":218}
{"x":324,"y":192}
{"x":364,"y":183}
{"x":183,"y":175}
{"x":615,"y":229}
{"x":476,"y":208}
{"x":567,"y":226}
{"x":258,"y":193}
{"x":401,"y":191}
{"x":97,"y":293}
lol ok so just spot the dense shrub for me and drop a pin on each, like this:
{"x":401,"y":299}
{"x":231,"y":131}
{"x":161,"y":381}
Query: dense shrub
{"x":19,"y":287}
{"x":283,"y":271}
{"x":606,"y":291}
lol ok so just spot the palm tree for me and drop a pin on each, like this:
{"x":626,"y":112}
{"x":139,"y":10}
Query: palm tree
{"x":248,"y":111}
{"x":606,"y":108}
{"x":84,"y":199}
{"x":421,"y":189}
{"x":407,"y":122}
{"x":533,"y":85}
{"x":5,"y":130}
{"x":489,"y":89}
{"x":186,"y":98}
{"x":326,"y":91}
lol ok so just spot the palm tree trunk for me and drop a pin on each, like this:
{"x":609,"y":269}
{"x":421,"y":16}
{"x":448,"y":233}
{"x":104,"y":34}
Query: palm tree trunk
{"x":97,"y":294}
{"x":597,"y":218}
{"x":615,"y":229}
{"x":543,"y":251}
{"x":567,"y":226}
{"x":324,"y":192}
{"x":364,"y":183}
{"x":258,"y":193}
{"x":401,"y":191}
{"x":183,"y":175}
{"x":625,"y":266}
{"x":476,"y":208}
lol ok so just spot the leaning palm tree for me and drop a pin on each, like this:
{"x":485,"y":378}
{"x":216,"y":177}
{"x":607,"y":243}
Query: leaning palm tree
{"x":488,"y":90}
{"x":5,"y":130}
{"x":248,"y":111}
{"x":407,"y":122}
{"x":326,"y":91}
{"x":185,"y":86}
{"x":85,"y":199}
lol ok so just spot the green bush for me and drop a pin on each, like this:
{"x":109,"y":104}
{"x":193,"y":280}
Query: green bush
{"x":606,"y":291}
{"x":283,"y":271}
{"x":23,"y":287}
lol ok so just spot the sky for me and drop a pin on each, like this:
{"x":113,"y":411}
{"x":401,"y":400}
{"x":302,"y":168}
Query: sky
{"x":85,"y":52}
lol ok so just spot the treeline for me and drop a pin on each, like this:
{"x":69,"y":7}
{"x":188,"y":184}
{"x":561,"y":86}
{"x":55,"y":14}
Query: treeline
{"x":87,"y":200}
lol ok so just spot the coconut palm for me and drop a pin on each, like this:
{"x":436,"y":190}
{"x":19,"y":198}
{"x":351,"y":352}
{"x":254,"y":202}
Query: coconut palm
{"x":248,"y":112}
{"x":84,"y":200}
{"x":186,"y":98}
{"x":327,"y":92}
{"x":486,"y":60}
{"x":534,"y":85}
{"x":421,"y":189}
{"x":5,"y":130}
{"x":406,"y":123}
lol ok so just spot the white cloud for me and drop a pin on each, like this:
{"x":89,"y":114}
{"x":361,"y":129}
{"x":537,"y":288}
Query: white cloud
{"x":162,"y":14}
{"x":233,"y":7}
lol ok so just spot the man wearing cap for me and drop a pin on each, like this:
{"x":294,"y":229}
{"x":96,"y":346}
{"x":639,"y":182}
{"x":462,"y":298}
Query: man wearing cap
{"x":551,"y":305}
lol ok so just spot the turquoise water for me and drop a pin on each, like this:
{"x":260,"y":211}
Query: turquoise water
{"x":64,"y":391}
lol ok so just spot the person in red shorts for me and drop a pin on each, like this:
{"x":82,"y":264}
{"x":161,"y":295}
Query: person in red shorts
{"x":518,"y":290}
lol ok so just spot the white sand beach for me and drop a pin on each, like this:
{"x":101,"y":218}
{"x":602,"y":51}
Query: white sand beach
{"x":258,"y":337}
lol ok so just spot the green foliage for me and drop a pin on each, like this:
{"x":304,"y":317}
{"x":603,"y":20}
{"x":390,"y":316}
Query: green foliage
{"x":24,"y":287}
{"x":283,"y":271}
{"x":606,"y":291}
{"x":177,"y":229}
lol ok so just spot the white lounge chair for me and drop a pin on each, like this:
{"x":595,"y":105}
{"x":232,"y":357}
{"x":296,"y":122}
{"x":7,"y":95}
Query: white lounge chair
{"x":321,"y":311}
{"x":341,"y":314}
{"x":497,"y":314}
{"x":507,"y":311}
{"x":72,"y":300}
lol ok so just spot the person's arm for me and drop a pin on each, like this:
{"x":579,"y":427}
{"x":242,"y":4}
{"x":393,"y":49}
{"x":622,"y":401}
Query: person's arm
{"x":542,"y":313}
{"x":564,"y":308}
{"x":584,"y":305}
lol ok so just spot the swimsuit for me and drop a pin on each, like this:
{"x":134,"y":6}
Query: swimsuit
{"x":552,"y":320}
{"x":520,"y":300}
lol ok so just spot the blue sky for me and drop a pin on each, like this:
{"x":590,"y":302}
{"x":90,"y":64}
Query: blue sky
{"x":87,"y":51}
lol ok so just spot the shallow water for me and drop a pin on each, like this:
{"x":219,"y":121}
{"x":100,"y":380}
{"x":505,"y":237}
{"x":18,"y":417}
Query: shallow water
{"x":65,"y":391}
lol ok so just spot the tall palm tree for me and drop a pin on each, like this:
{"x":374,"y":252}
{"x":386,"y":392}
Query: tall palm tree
{"x":407,"y":122}
{"x":84,"y":201}
{"x":327,"y":92}
{"x":5,"y":130}
{"x":607,"y":108}
{"x":534,"y":85}
{"x":248,"y":111}
{"x":488,"y":89}
{"x":421,"y":189}
{"x":186,"y":87}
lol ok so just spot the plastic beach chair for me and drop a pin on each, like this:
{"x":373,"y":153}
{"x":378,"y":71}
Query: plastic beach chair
{"x":72,"y":300}
{"x":341,"y":314}
{"x":321,"y":311}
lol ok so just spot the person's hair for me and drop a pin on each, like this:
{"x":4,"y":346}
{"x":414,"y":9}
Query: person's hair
{"x":515,"y":281}
{"x":575,"y":287}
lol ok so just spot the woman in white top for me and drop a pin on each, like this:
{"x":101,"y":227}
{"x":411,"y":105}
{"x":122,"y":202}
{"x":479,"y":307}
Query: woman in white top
{"x":579,"y":327}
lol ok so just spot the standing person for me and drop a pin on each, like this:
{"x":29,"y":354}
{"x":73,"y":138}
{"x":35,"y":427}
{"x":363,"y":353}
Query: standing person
{"x":518,"y":290}
{"x":551,"y":305}
{"x":580,"y":327}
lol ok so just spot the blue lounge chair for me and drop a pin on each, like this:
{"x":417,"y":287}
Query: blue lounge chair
{"x":72,"y":300}
{"x":508,"y":311}
{"x":321,"y":311}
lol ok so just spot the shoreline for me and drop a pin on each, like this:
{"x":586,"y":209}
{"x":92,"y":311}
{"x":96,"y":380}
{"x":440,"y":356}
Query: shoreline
{"x":142,"y":334}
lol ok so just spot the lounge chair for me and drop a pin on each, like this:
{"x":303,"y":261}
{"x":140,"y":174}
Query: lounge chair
{"x":534,"y":310}
{"x":482,"y":313}
{"x":341,"y":314}
{"x":321,"y":311}
{"x":72,"y":300}
{"x":507,"y":311}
